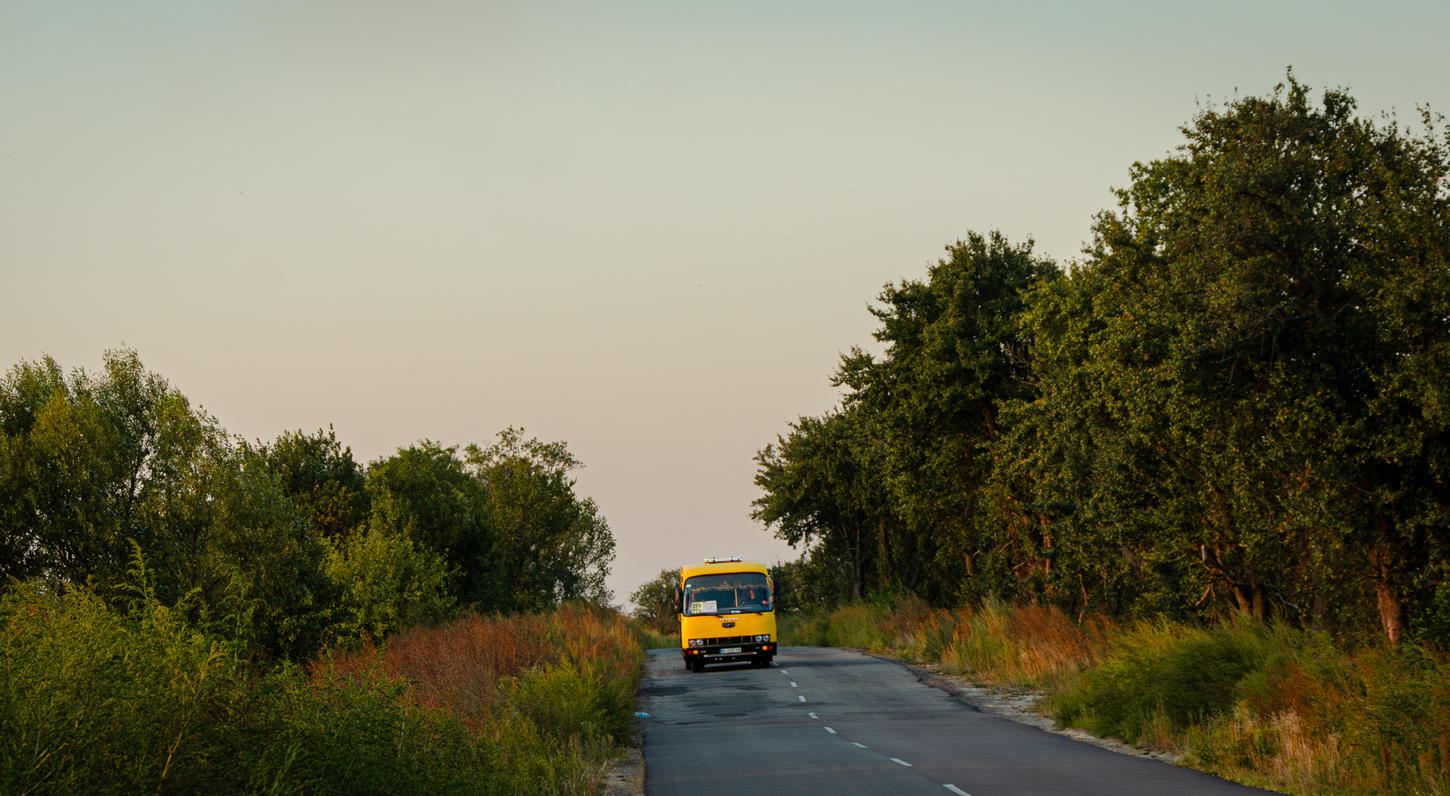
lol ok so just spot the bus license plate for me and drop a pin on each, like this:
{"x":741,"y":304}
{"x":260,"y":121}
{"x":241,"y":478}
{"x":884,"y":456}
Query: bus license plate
{"x":728,"y":650}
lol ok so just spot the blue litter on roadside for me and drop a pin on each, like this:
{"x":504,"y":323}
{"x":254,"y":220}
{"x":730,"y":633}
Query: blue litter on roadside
{"x":642,"y":715}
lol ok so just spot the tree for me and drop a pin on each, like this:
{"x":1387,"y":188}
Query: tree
{"x":91,"y":461}
{"x":424,"y":493}
{"x":655,"y":603}
{"x":955,"y":353}
{"x":95,"y":468}
{"x":384,"y":580}
{"x":821,"y":486}
{"x":322,"y":478}
{"x":1252,"y":358}
{"x":553,"y":546}
{"x":891,"y":484}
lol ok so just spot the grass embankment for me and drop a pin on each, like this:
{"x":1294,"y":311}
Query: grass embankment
{"x":1270,"y":706}
{"x":93,"y":701}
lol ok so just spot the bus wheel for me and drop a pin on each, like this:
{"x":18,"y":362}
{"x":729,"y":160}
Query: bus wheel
{"x":697,"y":665}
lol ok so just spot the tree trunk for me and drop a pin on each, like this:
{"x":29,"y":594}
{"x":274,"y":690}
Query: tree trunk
{"x":1391,"y":608}
{"x":1252,"y":599}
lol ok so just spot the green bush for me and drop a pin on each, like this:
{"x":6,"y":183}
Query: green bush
{"x":571,"y":706}
{"x":321,"y":735}
{"x":856,"y":626}
{"x":1171,"y":675}
{"x":650,"y":640}
{"x":94,"y":703}
{"x":385,"y":582}
{"x":802,"y":629}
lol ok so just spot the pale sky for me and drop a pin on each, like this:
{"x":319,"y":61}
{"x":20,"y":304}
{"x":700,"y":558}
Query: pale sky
{"x":646,"y":228}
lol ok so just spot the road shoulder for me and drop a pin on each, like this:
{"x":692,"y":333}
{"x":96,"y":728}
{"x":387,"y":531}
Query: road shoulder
{"x":625,"y":773}
{"x":1018,"y":705}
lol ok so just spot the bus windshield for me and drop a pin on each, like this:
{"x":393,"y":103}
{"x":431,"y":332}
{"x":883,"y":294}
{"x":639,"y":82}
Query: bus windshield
{"x":727,"y":593}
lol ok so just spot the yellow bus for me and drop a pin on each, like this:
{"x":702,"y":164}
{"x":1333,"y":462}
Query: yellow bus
{"x":727,"y":613}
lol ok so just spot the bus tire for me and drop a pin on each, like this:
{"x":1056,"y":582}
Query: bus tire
{"x":697,"y":665}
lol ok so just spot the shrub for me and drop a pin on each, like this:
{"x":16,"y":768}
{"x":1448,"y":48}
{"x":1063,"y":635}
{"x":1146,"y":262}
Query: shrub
{"x":98,"y":700}
{"x":384,"y":582}
{"x":802,"y":628}
{"x":855,"y":626}
{"x":91,"y":702}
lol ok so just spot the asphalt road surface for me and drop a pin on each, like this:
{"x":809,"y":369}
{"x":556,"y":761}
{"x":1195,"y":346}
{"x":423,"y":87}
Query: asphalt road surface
{"x":829,"y":721}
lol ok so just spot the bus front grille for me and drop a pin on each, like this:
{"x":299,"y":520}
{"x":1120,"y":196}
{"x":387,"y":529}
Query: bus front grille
{"x":720,"y":641}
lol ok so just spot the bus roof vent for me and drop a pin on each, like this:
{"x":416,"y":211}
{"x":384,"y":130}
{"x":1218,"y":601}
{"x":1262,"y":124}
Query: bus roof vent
{"x":722,"y":560}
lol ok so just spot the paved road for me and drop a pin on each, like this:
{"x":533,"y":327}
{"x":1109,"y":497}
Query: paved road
{"x":828,"y":721}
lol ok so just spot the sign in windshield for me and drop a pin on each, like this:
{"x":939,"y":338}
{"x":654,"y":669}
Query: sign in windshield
{"x":727,"y":593}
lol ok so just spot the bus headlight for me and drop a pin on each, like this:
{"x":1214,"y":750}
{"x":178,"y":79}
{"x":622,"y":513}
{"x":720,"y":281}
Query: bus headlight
{"x":763,"y":638}
{"x":697,"y":642}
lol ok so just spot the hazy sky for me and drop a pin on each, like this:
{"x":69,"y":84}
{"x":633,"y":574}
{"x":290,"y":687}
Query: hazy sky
{"x":646,"y":228}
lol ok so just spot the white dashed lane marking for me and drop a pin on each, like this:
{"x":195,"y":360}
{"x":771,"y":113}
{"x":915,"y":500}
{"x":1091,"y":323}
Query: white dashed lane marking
{"x":793,"y":685}
{"x":801,"y":698}
{"x":814,"y":716}
{"x":862,"y":745}
{"x":899,"y":760}
{"x":956,"y":790}
{"x":831,"y":731}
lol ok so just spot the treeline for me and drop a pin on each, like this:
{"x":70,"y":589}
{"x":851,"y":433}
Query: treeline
{"x":1237,"y":400}
{"x":291,"y":545}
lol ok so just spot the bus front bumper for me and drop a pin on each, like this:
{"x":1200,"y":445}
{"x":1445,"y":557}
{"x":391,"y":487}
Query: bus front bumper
{"x":731,"y":652}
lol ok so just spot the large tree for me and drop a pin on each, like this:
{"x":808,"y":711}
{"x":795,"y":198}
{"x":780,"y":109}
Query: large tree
{"x":955,"y":354}
{"x":425,"y":493}
{"x":553,"y":546}
{"x":1254,"y":355}
{"x":90,"y":461}
{"x":823,"y":491}
{"x":322,"y":478}
{"x":95,"y":468}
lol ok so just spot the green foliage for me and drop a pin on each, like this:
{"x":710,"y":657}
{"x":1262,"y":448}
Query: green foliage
{"x":553,"y":547}
{"x":803,"y":628}
{"x":385,"y":581}
{"x":424,"y":492}
{"x":181,"y":675}
{"x":819,"y":491}
{"x":1223,"y":382}
{"x":1235,"y":403}
{"x":651,"y":640}
{"x":1185,"y":675}
{"x":94,"y":703}
{"x":96,"y":700}
{"x":888,"y":484}
{"x":93,"y":464}
{"x":656,"y":603}
{"x":813,"y":583}
{"x":855,"y":626}
{"x":321,"y":477}
{"x":505,"y":518}
{"x":90,"y":461}
{"x":567,"y":704}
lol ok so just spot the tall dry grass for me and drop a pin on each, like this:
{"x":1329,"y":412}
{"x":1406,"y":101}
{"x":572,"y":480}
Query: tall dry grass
{"x":1023,"y":646}
{"x":552,"y":694}
{"x":468,"y":666}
